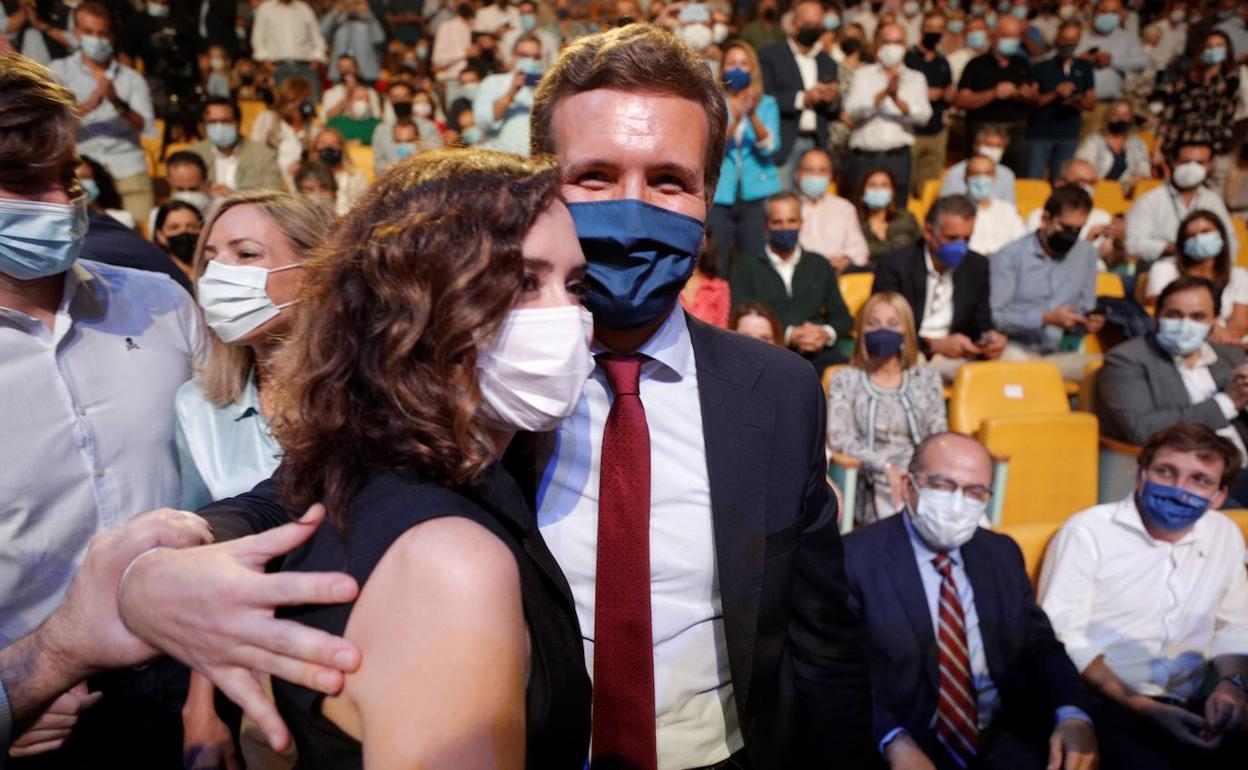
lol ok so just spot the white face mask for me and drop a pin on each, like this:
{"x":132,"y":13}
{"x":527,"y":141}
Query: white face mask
{"x":532,"y":375}
{"x":697,"y":36}
{"x":996,"y":153}
{"x":891,"y":54}
{"x":235,"y":298}
{"x":1188,"y":175}
{"x":946,"y":520}
{"x":359,"y":110}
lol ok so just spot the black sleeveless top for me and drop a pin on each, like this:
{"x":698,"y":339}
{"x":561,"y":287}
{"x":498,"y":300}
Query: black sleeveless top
{"x":558,"y":695}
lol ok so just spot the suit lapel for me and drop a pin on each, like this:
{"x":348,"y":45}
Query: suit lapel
{"x":918,"y":273}
{"x":978,"y":565}
{"x":738,"y":428}
{"x":903,"y":574}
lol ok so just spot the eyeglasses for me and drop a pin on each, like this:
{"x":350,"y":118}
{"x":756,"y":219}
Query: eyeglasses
{"x":977,"y":492}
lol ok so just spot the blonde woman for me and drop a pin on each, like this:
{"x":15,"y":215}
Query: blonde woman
{"x":248,"y":270}
{"x":882,"y":405}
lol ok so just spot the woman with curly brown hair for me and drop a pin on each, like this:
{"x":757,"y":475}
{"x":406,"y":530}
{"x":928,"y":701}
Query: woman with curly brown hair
{"x":442,"y":316}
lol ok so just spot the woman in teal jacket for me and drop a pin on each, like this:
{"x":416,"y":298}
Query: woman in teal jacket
{"x":748,"y":174}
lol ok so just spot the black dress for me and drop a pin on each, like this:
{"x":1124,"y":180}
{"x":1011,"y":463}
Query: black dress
{"x":558,"y":695}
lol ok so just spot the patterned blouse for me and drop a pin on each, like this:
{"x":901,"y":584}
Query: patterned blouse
{"x":1203,"y":110}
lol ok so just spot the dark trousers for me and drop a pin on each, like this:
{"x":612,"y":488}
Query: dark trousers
{"x":1129,"y":742}
{"x":1015,"y":152}
{"x":1045,"y":157}
{"x":1005,"y":745}
{"x":736,"y":230}
{"x":896,"y":162}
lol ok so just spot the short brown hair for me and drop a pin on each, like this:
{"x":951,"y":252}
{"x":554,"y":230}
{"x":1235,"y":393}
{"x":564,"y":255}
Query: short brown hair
{"x":637,"y":57}
{"x":1198,"y":439}
{"x":380,"y":370}
{"x":762,"y":310}
{"x":38,"y":124}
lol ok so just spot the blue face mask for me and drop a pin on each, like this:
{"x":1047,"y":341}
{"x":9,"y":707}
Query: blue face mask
{"x":1181,"y":336}
{"x":813,"y":185}
{"x":1207,"y":245}
{"x":471,"y":135}
{"x":831,"y":21}
{"x":90,"y":188}
{"x":1019,"y":11}
{"x":952,"y":253}
{"x":640,"y":257}
{"x":404,"y":150}
{"x":528,"y":21}
{"x":1171,"y":508}
{"x":956,"y":26}
{"x":40,"y":239}
{"x":782,"y":241}
{"x":979,"y":188}
{"x":1215,"y":55}
{"x":877,"y":198}
{"x":1105,"y":23}
{"x":883,"y":343}
{"x":1008,"y":46}
{"x":222,"y":135}
{"x":737,"y":79}
{"x":977,"y":39}
{"x":97,"y":49}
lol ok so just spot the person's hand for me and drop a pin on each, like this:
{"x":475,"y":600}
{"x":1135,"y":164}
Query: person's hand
{"x":49,"y":732}
{"x":1237,"y":388}
{"x":1182,"y":725}
{"x":1094,"y":322}
{"x":1065,"y":316}
{"x":206,"y":741}
{"x":221,"y":191}
{"x":1102,"y":59}
{"x":894,"y":82}
{"x":992,"y":344}
{"x":813,"y":339}
{"x":1226,"y":709}
{"x":1072,"y":746}
{"x":1065,"y":89}
{"x":903,"y":753}
{"x":1116,"y":229}
{"x":840,"y":263}
{"x":517,"y":82}
{"x":212,"y":608}
{"x":1005,"y":90}
{"x":954,"y":346}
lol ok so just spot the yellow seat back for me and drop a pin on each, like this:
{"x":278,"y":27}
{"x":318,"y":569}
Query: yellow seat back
{"x":1032,"y":539}
{"x":1108,"y":195}
{"x":1149,"y":139}
{"x":855,"y":290}
{"x":248,"y":111}
{"x":1145,"y":185}
{"x":1030,"y":194}
{"x":827,"y":374}
{"x":151,"y":151}
{"x":1109,"y":285}
{"x":1052,"y":464}
{"x":362,"y":158}
{"x":999,"y":389}
{"x":1241,"y":233}
{"x":1240,"y":517}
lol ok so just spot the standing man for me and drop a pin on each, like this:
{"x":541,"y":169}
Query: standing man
{"x":1115,"y":53}
{"x":802,"y":78}
{"x":286,"y":38}
{"x":1066,"y":95}
{"x":830,"y":223}
{"x":504,"y":101}
{"x":887,"y":101}
{"x":115,"y":104}
{"x":997,"y":87}
{"x":931,"y":141}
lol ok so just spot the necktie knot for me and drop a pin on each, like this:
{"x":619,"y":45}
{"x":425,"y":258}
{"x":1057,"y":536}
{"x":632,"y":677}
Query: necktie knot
{"x":943,"y":564}
{"x":623,"y":373}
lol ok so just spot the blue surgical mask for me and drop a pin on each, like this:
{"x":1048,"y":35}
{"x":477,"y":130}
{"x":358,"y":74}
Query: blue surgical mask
{"x":1019,"y":11}
{"x":639,"y":256}
{"x":737,"y":79}
{"x":532,"y":69}
{"x":97,"y":49}
{"x":952,"y":253}
{"x":1004,"y":5}
{"x":222,"y":135}
{"x":528,"y":21}
{"x":471,"y":135}
{"x":1008,"y":46}
{"x":1181,"y":336}
{"x":1206,"y":245}
{"x":979,"y":187}
{"x":813,"y":185}
{"x":1105,"y":23}
{"x":1215,"y":55}
{"x":1171,"y":508}
{"x":90,"y":188}
{"x":977,"y":39}
{"x":40,"y":239}
{"x":876,"y":198}
{"x":883,"y":343}
{"x":831,"y":21}
{"x":956,"y":26}
{"x":404,"y":150}
{"x":782,"y":241}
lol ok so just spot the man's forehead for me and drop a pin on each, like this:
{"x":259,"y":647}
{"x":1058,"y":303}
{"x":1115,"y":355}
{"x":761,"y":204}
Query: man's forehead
{"x":659,"y":123}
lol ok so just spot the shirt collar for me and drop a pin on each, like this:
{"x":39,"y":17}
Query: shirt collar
{"x":1208,"y":357}
{"x":670,"y":346}
{"x":248,"y":403}
{"x":927,"y":261}
{"x":797,"y":52}
{"x":776,"y":261}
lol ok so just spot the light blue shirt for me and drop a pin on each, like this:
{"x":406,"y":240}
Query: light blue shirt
{"x":357,"y":36}
{"x":511,"y":134}
{"x":1126,"y":55}
{"x":104,"y":134}
{"x":1025,"y":284}
{"x":954,"y":182}
{"x":222,"y":451}
{"x":1153,"y":220}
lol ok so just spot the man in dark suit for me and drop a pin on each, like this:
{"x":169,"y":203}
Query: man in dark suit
{"x":215,"y":25}
{"x":728,"y":576}
{"x":802,"y":78}
{"x":801,"y":286}
{"x":947,"y":287}
{"x":965,"y":668}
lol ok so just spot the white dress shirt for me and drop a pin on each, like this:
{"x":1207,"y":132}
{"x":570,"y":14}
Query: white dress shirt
{"x":883,"y":126}
{"x":88,"y":425}
{"x":696,"y":714}
{"x":1157,"y":611}
{"x":225,"y":168}
{"x":996,"y":224}
{"x":511,"y":132}
{"x":830,"y":227}
{"x":809,"y":68}
{"x":490,"y":18}
{"x":450,"y":48}
{"x":286,"y":31}
{"x":1200,"y":385}
{"x":1153,"y":219}
{"x":938,"y":306}
{"x":104,"y":133}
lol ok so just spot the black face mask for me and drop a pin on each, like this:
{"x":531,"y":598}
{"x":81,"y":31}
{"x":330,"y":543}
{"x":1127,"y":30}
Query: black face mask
{"x":402,"y":109}
{"x":808,"y":35}
{"x":247,"y":78}
{"x":266,"y":95}
{"x":562,"y":13}
{"x":769,"y":14}
{"x":851,"y":46}
{"x":930,"y":40}
{"x":330,"y":156}
{"x":487,"y":54}
{"x":1065,"y":51}
{"x":1061,"y":241}
{"x":1118,"y":127}
{"x":624,"y":21}
{"x":465,"y":11}
{"x":182,"y":246}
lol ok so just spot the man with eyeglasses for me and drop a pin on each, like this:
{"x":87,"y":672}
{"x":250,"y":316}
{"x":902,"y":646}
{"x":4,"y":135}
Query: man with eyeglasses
{"x":965,"y":669}
{"x":1150,"y":597}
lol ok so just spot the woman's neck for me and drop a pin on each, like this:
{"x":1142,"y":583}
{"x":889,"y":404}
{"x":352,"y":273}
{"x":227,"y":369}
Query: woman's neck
{"x":887,"y":369}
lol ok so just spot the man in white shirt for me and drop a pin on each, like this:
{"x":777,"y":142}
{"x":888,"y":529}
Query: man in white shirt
{"x":1115,"y":52}
{"x":886,"y":102}
{"x":1150,"y":595}
{"x":286,"y":37}
{"x":496,"y":17}
{"x":528,"y":26}
{"x":1153,"y":220}
{"x":990,"y":142}
{"x":830,"y":223}
{"x":997,"y":222}
{"x":451,"y":44}
{"x":1102,"y":230}
{"x":503,"y":102}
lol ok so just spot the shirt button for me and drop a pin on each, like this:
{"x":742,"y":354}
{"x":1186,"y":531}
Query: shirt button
{"x":99,"y":473}
{"x":82,"y":411}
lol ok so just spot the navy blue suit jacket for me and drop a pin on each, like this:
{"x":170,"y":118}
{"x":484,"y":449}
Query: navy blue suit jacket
{"x":1033,"y":674}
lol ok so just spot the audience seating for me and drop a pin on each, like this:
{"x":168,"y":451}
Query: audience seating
{"x":1033,"y":540}
{"x":1109,"y":285}
{"x":248,"y":111}
{"x":1108,"y":195}
{"x":931,"y":191}
{"x":1240,"y":517}
{"x":362,"y":158}
{"x":1144,"y":185}
{"x":1045,"y":455}
{"x":1116,"y":460}
{"x":855,"y":290}
{"x":1031,"y":194}
{"x":1241,"y":233}
{"x":1149,"y":139}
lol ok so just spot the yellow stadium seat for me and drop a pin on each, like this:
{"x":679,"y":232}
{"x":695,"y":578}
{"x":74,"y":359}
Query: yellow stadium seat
{"x":248,"y":111}
{"x":1052,"y":468}
{"x":1240,"y":517}
{"x":1144,"y":185}
{"x":855,"y":290}
{"x":1241,"y":233}
{"x":827,"y":374}
{"x":931,"y":191}
{"x":362,"y":158}
{"x":1032,"y":539}
{"x":1109,"y":285}
{"x":1031,"y":194}
{"x":1116,"y":460}
{"x":1149,"y":139}
{"x":1004,"y":389}
{"x":151,"y":149}
{"x":1108,"y":195}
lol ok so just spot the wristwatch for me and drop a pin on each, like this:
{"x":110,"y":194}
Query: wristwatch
{"x":1238,"y":680}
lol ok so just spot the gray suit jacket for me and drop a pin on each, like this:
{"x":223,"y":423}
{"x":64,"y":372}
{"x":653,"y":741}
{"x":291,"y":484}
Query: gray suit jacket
{"x":257,"y":165}
{"x":1140,"y":391}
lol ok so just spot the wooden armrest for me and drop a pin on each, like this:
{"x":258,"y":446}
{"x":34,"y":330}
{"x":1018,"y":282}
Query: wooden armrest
{"x":845,"y":461}
{"x":998,"y":458}
{"x":1122,"y":447}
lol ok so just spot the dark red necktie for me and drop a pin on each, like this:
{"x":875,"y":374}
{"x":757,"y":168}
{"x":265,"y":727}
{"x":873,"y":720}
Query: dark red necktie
{"x":624,"y":731}
{"x":957,"y":720}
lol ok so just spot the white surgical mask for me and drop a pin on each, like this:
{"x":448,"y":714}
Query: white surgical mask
{"x":235,"y":298}
{"x":946,"y":520}
{"x":697,"y":36}
{"x":39,"y":239}
{"x":996,"y":153}
{"x":202,"y":201}
{"x":532,"y":374}
{"x":891,"y":54}
{"x":1188,"y":175}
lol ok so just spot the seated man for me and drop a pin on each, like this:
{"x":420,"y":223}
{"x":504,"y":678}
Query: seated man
{"x":1044,"y":287}
{"x":187,"y":176}
{"x":799,"y":285}
{"x":234,"y":164}
{"x":1153,"y":219}
{"x":1146,"y":593}
{"x":1102,"y":230}
{"x":947,"y":285}
{"x":990,"y":141}
{"x":965,"y":669}
{"x":997,"y":222}
{"x":400,"y":106}
{"x":829,"y":222}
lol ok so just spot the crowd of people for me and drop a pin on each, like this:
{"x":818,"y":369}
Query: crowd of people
{"x":485,"y":341}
